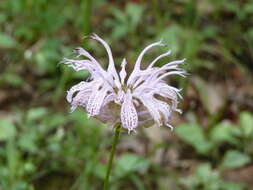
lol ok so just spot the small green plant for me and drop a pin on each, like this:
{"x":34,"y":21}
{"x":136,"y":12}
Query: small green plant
{"x":125,"y":22}
{"x":206,"y":178}
{"x":238,"y":138}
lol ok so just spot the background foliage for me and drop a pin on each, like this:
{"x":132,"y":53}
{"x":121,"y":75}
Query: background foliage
{"x":44,"y":147}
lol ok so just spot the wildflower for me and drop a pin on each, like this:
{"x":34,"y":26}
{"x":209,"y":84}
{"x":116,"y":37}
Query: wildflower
{"x":142,"y":98}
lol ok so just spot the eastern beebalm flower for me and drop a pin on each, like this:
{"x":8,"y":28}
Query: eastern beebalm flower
{"x":142,"y":98}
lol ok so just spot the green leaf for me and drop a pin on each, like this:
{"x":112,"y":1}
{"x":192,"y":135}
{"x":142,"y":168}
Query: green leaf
{"x":205,"y":173}
{"x":171,"y":35}
{"x":135,"y":12}
{"x":100,"y":170}
{"x":194,"y":135}
{"x":51,"y":121}
{"x":119,"y":31}
{"x":3,"y":18}
{"x":7,"y":41}
{"x":246,"y":123}
{"x":119,"y":15}
{"x":13,"y":79}
{"x":232,"y":186}
{"x":225,"y":132}
{"x":202,"y":89}
{"x":248,"y":8}
{"x":204,"y":177}
{"x":36,"y":113}
{"x":28,"y":141}
{"x":235,"y":159}
{"x":7,"y":130}
{"x":130,"y":163}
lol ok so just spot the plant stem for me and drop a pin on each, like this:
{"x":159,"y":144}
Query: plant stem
{"x":87,"y":5}
{"x":109,"y":166}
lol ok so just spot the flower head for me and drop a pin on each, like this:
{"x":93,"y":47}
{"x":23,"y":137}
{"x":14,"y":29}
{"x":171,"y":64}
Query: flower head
{"x":142,"y":98}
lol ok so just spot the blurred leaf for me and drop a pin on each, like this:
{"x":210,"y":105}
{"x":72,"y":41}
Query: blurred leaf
{"x":205,"y":173}
{"x":36,"y":113}
{"x":211,"y":99}
{"x":128,"y":163}
{"x":47,"y":57}
{"x":246,"y":123}
{"x":171,"y":36}
{"x":54,"y":120}
{"x":25,"y":32}
{"x":81,"y":74}
{"x":125,"y":22}
{"x":12,"y":78}
{"x":81,"y":119}
{"x":100,"y":170}
{"x":134,"y":11}
{"x":120,"y":31}
{"x":29,"y":167}
{"x":194,"y":135}
{"x":29,"y":138}
{"x":206,"y":178}
{"x":119,"y":25}
{"x":235,"y":159}
{"x":7,"y":130}
{"x":248,"y":8}
{"x":232,"y":186}
{"x":210,"y":31}
{"x":2,"y":18}
{"x":7,"y":41}
{"x":119,"y":15}
{"x":225,"y":132}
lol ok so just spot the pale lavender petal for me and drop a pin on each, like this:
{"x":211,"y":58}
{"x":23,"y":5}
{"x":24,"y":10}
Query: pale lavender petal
{"x":81,"y":99}
{"x":181,"y":73}
{"x":96,"y":100}
{"x":78,"y":65}
{"x":152,"y":74}
{"x":139,"y":59}
{"x":120,"y":96}
{"x":94,"y":69}
{"x":81,"y":51}
{"x":149,"y":103}
{"x":111,"y":67}
{"x":80,"y":86}
{"x":158,"y":58}
{"x":129,"y":117}
{"x":164,"y":109}
{"x":123,"y":73}
{"x":138,"y":62}
{"x":109,"y":98}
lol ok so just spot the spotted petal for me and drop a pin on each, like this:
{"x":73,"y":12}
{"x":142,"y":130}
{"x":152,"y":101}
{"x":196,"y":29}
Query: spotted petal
{"x":129,"y":117}
{"x":80,"y":86}
{"x":81,"y":99}
{"x":96,"y":99}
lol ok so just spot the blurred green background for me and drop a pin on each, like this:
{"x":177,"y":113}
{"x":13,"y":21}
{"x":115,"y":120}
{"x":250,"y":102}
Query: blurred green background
{"x":44,"y":147}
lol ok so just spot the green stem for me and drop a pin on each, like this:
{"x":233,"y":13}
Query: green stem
{"x":109,"y":166}
{"x":87,"y":5}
